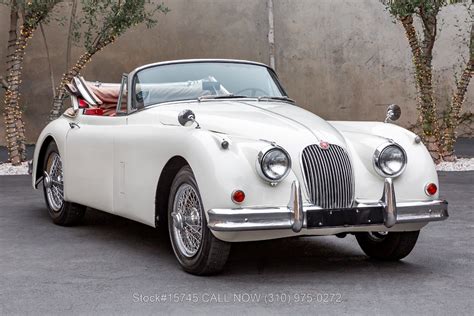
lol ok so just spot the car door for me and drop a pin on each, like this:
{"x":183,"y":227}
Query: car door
{"x":90,"y":160}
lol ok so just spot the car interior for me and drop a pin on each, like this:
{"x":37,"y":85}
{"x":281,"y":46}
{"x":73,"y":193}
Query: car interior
{"x":96,"y":98}
{"x":100,"y":99}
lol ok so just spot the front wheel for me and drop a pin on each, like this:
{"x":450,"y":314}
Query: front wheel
{"x":196,"y":249}
{"x":61,"y":212}
{"x":389,"y":246}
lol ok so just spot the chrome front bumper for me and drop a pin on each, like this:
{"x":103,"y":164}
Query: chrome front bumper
{"x":296,"y":216}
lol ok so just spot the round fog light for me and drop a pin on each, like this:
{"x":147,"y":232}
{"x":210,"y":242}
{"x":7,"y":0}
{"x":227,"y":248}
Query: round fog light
{"x":431,"y":189}
{"x":238,"y":196}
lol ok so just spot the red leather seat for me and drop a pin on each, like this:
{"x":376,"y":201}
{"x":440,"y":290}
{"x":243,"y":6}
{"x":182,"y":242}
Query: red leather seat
{"x":108,"y":95}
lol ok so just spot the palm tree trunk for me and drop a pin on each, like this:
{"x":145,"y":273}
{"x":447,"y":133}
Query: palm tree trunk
{"x":452,"y":119}
{"x":14,"y":89}
{"x":426,"y":101}
{"x":74,"y":71}
{"x":12,"y":82}
{"x":15,"y":127}
{"x":59,"y":95}
{"x":61,"y":91}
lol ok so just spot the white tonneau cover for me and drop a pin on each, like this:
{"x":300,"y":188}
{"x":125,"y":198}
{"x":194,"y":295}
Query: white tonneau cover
{"x":163,"y":92}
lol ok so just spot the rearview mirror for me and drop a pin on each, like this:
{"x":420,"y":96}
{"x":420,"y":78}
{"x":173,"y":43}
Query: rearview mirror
{"x":393,"y":113}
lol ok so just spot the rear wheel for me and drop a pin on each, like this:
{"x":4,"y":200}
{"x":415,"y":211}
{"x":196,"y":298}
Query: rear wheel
{"x":195,"y":247}
{"x":61,"y":212}
{"x":389,"y":246}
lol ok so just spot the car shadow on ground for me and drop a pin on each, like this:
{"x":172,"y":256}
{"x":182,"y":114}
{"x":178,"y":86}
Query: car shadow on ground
{"x":273,"y":257}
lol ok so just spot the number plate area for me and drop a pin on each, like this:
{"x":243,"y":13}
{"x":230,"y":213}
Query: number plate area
{"x":344,"y":217}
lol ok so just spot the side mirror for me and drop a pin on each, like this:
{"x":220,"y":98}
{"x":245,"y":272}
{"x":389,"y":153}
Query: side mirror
{"x":393,"y":113}
{"x":187,"y":118}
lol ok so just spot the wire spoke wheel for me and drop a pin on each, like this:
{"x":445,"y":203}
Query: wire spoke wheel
{"x":198,"y":251}
{"x":187,"y":220}
{"x":62,"y":212}
{"x":53,"y":182}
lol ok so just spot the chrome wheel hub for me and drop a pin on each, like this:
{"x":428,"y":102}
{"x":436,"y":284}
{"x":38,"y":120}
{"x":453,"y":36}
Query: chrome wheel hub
{"x":177,"y":220}
{"x":187,"y":220}
{"x":377,"y":236}
{"x":47,"y":180}
{"x":53,"y":182}
{"x":194,"y":218}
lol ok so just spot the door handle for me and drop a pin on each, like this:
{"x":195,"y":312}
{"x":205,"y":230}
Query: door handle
{"x":73,"y":125}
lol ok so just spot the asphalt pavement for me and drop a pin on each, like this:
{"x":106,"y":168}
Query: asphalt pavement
{"x":111,"y":265}
{"x":464,"y":147}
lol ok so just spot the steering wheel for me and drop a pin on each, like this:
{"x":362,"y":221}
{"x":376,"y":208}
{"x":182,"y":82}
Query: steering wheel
{"x":252,"y":90}
{"x":142,"y":96}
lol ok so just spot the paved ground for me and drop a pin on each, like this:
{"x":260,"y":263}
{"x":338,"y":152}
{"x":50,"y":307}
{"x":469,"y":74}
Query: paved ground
{"x":104,"y":265}
{"x":465,"y":147}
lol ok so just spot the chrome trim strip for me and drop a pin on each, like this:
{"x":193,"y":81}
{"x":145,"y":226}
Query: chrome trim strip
{"x":294,"y":215}
{"x":296,"y":207}
{"x":249,"y":219}
{"x":203,"y":60}
{"x":281,"y":218}
{"x":389,"y":203}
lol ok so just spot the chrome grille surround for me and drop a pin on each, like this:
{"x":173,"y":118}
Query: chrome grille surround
{"x":328,"y":176}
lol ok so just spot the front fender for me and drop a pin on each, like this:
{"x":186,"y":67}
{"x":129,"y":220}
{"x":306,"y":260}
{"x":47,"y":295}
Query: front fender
{"x":146,"y":149}
{"x":220,"y":171}
{"x":55,"y":131}
{"x":362,"y":140}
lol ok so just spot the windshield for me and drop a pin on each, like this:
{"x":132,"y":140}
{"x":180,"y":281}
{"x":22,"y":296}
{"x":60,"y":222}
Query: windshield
{"x":190,"y":81}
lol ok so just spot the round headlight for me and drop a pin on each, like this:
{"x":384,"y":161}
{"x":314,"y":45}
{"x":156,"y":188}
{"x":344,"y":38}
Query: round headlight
{"x":390,"y":160}
{"x":275,"y":164}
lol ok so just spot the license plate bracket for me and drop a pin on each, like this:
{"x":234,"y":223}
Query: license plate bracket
{"x":344,"y":217}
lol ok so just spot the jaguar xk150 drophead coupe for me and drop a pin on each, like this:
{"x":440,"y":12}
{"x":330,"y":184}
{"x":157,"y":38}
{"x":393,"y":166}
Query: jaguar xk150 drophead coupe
{"x":215,"y":152}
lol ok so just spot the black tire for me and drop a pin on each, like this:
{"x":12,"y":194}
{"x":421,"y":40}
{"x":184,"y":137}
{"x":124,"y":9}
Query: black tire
{"x":68,"y":214}
{"x":390,"y":247}
{"x":212,"y":253}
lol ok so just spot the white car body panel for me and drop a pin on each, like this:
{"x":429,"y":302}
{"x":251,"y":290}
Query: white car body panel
{"x":114,"y":163}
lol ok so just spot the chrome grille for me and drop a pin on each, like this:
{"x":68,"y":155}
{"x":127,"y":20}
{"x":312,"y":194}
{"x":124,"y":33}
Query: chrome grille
{"x":328,"y":175}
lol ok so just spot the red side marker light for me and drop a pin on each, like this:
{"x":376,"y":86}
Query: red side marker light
{"x":238,"y":196}
{"x":431,"y":189}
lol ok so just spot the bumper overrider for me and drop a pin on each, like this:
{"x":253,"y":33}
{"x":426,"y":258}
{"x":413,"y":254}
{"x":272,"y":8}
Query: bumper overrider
{"x":297,"y":216}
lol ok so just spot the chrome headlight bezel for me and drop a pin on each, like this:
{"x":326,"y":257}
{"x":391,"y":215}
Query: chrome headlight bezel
{"x":378,"y":156}
{"x":262,"y":155}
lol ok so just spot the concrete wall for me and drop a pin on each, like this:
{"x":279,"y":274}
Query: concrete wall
{"x":342,"y":59}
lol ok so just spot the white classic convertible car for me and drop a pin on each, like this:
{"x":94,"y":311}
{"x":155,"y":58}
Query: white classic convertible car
{"x":215,"y":152}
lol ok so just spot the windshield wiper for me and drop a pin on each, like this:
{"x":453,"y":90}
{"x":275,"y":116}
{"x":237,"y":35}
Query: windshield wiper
{"x":225,"y":96}
{"x":233,"y":96}
{"x":282,"y":98}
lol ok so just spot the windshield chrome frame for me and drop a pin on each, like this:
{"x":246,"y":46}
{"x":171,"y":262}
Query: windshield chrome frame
{"x":132,"y":74}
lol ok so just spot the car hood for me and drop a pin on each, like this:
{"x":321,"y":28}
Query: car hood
{"x":279,"y":122}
